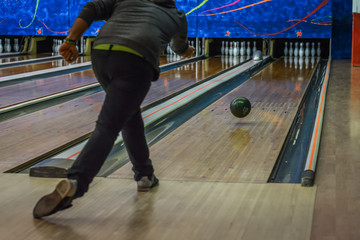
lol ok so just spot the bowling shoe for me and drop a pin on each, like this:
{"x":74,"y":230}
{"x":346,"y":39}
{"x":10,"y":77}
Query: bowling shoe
{"x":146,"y":183}
{"x":58,"y":200}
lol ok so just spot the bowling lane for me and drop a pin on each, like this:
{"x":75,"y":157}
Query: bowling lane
{"x":23,"y":57}
{"x":168,"y":83}
{"x":8,"y":71}
{"x":216,"y":146}
{"x":30,"y":136}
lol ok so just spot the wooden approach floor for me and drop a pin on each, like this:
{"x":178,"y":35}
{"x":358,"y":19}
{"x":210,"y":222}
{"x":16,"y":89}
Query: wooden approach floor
{"x":190,"y":210}
{"x":337,"y":208}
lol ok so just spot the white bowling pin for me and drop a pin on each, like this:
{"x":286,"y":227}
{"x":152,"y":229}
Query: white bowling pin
{"x":286,"y":50}
{"x":7,"y":46}
{"x":248,"y":49}
{"x":296,"y":50}
{"x":226,"y":48}
{"x":318,"y":50}
{"x":16,"y":45}
{"x":231,"y":49}
{"x":242,"y":49}
{"x":313,"y":49}
{"x":222,"y":48}
{"x":254,"y":47}
{"x":291,"y":50}
{"x":301,"y":50}
{"x":1,"y":46}
{"x":307,"y":50}
{"x":54,"y":46}
{"x":236,"y":49}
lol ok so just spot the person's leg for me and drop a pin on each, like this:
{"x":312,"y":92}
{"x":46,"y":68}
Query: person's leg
{"x":128,"y":81}
{"x":136,"y":145}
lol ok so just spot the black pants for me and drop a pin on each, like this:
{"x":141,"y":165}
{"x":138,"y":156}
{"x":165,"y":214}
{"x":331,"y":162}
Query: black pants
{"x":126,"y":79}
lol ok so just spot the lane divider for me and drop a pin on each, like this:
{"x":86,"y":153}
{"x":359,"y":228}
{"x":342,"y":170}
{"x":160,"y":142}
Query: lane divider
{"x":40,"y":73}
{"x":29,"y":61}
{"x":308,"y":175}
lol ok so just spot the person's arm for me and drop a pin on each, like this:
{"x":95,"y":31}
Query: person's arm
{"x":95,"y":10}
{"x":190,"y":52}
{"x":179,"y":42}
{"x":68,"y":50}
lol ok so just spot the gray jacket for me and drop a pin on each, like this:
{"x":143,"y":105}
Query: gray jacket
{"x":145,"y":26}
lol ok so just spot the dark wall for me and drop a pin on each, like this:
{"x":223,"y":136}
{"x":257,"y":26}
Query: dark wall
{"x":341,"y":29}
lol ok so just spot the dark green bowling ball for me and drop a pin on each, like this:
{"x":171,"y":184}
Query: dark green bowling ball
{"x":240,"y":107}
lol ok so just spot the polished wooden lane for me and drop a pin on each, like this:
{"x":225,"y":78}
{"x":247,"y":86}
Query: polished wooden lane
{"x":30,"y":90}
{"x":337,"y":214}
{"x":8,"y":71}
{"x":216,"y":146}
{"x":23,"y":57}
{"x":175,"y":210}
{"x":32,"y":135}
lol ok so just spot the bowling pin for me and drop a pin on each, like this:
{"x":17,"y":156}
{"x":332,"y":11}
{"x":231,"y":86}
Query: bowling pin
{"x":286,"y":50}
{"x":222,"y":48}
{"x":169,"y":51}
{"x":242,"y":49}
{"x":200,"y":48}
{"x":318,"y":50}
{"x":296,"y":61}
{"x":16,"y":45}
{"x":296,"y":50}
{"x":1,"y":46}
{"x":313,"y":49}
{"x":254,"y":47}
{"x":301,"y":50}
{"x":236,"y":50}
{"x":231,"y":49}
{"x":307,"y":50}
{"x":226,"y":48}
{"x":7,"y":45}
{"x":54,"y":46}
{"x":248,"y":49}
{"x":291,"y":50}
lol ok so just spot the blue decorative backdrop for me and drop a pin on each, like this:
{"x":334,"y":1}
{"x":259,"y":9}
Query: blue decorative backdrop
{"x":207,"y":18}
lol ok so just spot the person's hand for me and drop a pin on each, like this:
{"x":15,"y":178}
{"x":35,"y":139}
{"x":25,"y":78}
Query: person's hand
{"x":68,"y":52}
{"x":190,"y":52}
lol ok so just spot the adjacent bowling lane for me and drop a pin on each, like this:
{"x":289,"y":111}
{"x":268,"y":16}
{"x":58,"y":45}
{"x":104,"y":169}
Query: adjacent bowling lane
{"x":39,"y":133}
{"x":23,"y":57}
{"x":216,"y":146}
{"x":8,"y":71}
{"x":30,"y":90}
